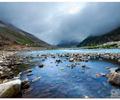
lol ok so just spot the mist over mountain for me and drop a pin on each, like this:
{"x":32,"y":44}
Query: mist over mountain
{"x":56,"y":22}
{"x":68,"y":44}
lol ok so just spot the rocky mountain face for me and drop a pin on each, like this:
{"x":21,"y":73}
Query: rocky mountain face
{"x":11,"y":35}
{"x":108,"y":40}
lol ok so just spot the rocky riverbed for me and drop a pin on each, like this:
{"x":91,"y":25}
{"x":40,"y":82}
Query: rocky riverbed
{"x":10,"y":83}
{"x":10,"y":61}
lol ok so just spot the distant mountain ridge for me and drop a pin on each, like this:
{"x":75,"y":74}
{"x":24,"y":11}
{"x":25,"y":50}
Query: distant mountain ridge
{"x":67,"y":44}
{"x":10,"y":34}
{"x":109,"y":38}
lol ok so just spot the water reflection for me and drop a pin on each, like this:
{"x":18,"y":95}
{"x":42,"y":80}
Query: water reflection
{"x":61,"y":78}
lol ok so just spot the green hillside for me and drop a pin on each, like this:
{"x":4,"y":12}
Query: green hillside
{"x":108,"y":40}
{"x":12,"y":35}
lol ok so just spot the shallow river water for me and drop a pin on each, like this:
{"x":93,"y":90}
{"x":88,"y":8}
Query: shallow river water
{"x":61,"y":80}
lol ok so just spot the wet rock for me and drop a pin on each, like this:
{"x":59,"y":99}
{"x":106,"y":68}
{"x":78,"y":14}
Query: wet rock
{"x":36,"y":79}
{"x":83,"y":66}
{"x":28,"y":71}
{"x":27,"y":90}
{"x":114,"y":78}
{"x":68,"y":65}
{"x":62,"y":69}
{"x":72,"y":66}
{"x":117,"y":70}
{"x":43,"y":59}
{"x":112,"y":70}
{"x":25,"y":84}
{"x":108,"y":68}
{"x":115,"y":93}
{"x":53,"y":56}
{"x":71,"y":60}
{"x":103,"y":74}
{"x":29,"y":74}
{"x":41,"y":65}
{"x":10,"y":89}
{"x":58,"y":61}
{"x":100,"y":75}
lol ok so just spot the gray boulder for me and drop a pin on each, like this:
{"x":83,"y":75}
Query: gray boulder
{"x":10,"y":89}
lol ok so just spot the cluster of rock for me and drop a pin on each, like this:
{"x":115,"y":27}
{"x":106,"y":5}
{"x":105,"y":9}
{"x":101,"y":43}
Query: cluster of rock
{"x":8,"y":64}
{"x":76,"y":57}
{"x":10,"y":84}
{"x":113,"y":77}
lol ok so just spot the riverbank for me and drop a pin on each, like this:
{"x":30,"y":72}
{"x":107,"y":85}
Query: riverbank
{"x":7,"y":64}
{"x":10,"y":83}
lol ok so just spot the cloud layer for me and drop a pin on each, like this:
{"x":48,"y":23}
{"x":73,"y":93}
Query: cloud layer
{"x":56,"y":22}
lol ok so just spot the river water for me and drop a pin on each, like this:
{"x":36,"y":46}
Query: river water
{"x":62,"y":81}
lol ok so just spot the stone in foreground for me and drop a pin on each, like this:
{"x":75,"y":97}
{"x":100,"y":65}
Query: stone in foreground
{"x":114,"y":78}
{"x":10,"y":89}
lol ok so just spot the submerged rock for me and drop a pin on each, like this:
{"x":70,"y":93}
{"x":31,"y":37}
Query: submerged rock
{"x":41,"y":65}
{"x":10,"y":89}
{"x":107,"y":68}
{"x":36,"y":79}
{"x":58,"y":61}
{"x":83,"y":66}
{"x":29,"y":74}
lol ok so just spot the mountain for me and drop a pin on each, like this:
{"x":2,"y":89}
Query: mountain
{"x":11,"y":35}
{"x":67,"y":44}
{"x":108,"y":40}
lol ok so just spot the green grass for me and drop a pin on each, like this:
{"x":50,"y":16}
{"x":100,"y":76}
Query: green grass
{"x":18,"y":38}
{"x":101,"y":46}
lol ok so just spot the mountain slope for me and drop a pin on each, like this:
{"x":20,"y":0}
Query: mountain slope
{"x":109,"y":39}
{"x":10,"y":34}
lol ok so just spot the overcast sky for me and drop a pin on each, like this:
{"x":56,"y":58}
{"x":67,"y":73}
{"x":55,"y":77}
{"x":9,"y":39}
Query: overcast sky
{"x":56,"y":22}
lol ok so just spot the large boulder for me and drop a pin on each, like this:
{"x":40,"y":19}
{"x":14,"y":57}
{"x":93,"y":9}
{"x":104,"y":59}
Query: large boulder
{"x":10,"y":89}
{"x":114,"y":78}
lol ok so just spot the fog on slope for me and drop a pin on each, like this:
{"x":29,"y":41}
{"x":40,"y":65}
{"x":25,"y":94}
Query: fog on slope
{"x":56,"y":22}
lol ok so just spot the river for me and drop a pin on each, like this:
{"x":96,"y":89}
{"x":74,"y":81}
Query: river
{"x":62,"y":81}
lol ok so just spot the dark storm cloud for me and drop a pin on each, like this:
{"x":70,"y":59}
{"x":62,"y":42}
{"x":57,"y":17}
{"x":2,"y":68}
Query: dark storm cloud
{"x":56,"y":22}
